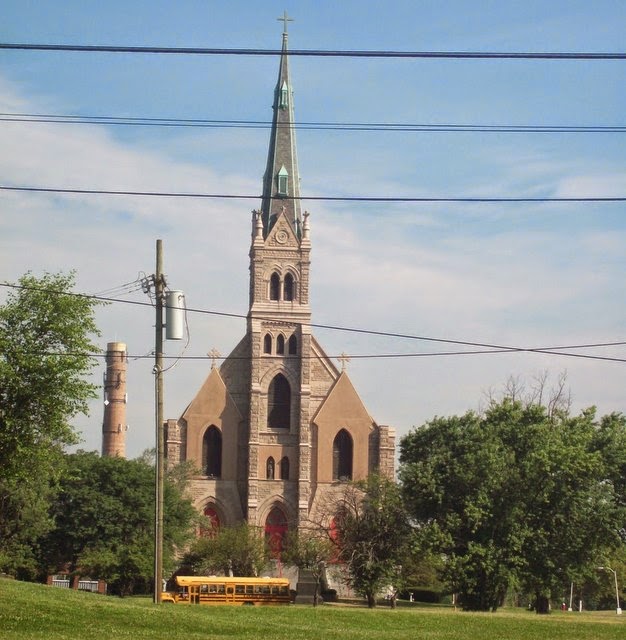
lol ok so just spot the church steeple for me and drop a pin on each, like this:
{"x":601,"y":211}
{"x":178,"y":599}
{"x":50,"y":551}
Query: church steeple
{"x":281,"y":182}
{"x":277,"y":427}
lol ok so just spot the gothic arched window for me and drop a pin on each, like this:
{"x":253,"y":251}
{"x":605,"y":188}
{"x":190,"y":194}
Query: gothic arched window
{"x":270,"y":468}
{"x":293,"y":346}
{"x":342,"y":456}
{"x":267,"y":343}
{"x":284,"y":468}
{"x":274,"y":286}
{"x":288,"y":287}
{"x":212,"y":452}
{"x":280,"y":344}
{"x":279,"y":403}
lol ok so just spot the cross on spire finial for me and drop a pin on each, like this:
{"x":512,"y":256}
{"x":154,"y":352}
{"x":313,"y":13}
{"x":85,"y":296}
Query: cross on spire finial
{"x":344,"y":359}
{"x":214,"y":354}
{"x":285,"y":18}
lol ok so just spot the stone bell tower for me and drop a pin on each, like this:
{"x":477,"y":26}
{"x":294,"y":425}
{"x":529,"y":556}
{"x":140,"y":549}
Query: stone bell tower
{"x":278,"y":429}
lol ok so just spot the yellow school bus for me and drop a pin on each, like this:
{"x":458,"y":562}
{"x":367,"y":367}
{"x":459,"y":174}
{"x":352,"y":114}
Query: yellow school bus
{"x":227,"y":590}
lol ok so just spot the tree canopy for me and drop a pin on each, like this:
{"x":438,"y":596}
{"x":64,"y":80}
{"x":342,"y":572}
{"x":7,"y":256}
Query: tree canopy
{"x":373,"y":533}
{"x":46,"y":353}
{"x":238,"y":550}
{"x":515,"y":495}
{"x":104,"y":521}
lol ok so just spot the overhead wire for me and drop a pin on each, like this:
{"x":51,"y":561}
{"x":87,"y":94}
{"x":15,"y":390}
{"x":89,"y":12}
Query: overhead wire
{"x":332,"y":53}
{"x":484,"y":348}
{"x":179,"y":358}
{"x":121,"y":290}
{"x":240,"y":196}
{"x":403,"y":127}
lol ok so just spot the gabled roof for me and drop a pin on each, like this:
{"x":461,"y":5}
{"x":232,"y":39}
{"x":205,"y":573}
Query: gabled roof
{"x":343,"y":407}
{"x":212,"y":401}
{"x":282,"y":158}
{"x":282,"y":233}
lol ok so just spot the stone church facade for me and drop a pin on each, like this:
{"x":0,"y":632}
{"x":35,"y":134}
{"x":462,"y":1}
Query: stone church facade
{"x":278,"y":428}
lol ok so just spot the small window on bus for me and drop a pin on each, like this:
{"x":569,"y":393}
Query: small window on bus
{"x":239,"y":589}
{"x":249,"y":588}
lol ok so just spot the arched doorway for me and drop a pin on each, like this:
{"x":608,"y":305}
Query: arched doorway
{"x":211,"y":526}
{"x":275,"y":530}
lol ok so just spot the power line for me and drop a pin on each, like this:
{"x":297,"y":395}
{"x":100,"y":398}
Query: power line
{"x":315,"y":126}
{"x":123,"y":289}
{"x":476,"y":55}
{"x":484,"y":348}
{"x":364,"y":356}
{"x":231,"y":196}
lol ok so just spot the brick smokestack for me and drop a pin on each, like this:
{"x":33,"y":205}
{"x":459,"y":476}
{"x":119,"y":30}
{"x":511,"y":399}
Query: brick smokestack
{"x":114,"y":424}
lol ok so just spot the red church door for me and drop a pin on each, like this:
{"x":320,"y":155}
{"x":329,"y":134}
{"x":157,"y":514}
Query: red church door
{"x":275,"y":530}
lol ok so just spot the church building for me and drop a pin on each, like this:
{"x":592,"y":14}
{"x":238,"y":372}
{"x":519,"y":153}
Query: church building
{"x":278,"y":428}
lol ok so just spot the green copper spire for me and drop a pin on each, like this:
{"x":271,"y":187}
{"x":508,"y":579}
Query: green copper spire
{"x":281,"y":182}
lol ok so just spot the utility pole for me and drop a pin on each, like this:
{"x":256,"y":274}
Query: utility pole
{"x":175,"y":307}
{"x":159,"y":287}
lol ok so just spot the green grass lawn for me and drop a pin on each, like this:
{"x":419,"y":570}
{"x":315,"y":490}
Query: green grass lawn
{"x":29,"y":611}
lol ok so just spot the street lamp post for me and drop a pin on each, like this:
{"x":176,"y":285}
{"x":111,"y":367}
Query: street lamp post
{"x":614,"y":572}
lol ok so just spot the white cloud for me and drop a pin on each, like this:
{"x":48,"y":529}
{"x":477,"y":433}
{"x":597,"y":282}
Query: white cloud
{"x":600,"y":185}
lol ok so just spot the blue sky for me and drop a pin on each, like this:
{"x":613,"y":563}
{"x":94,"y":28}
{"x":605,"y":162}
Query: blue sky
{"x":526,"y":275}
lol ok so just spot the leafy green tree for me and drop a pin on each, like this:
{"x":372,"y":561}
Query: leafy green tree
{"x":104,"y":519}
{"x":609,"y":440}
{"x":309,"y":550}
{"x":597,"y":587}
{"x":238,"y":550}
{"x":373,"y":534}
{"x":571,"y":514}
{"x":45,"y":357}
{"x":515,"y":494}
{"x":24,"y":520}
